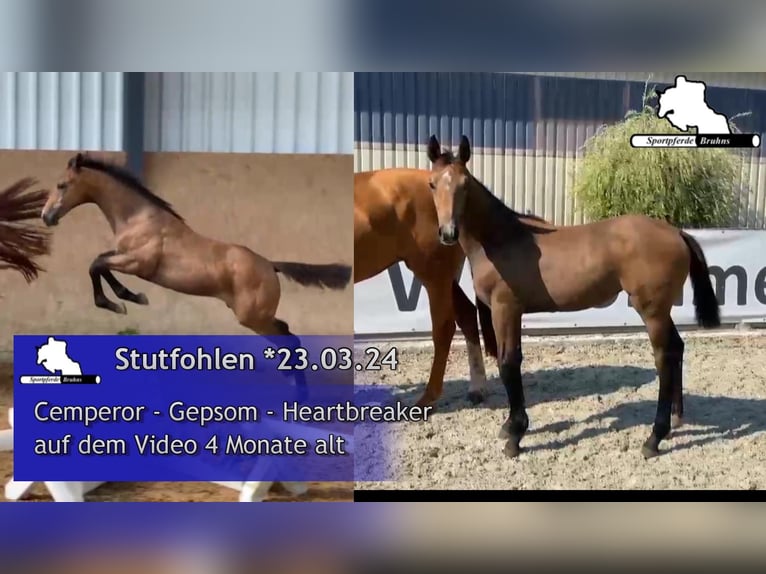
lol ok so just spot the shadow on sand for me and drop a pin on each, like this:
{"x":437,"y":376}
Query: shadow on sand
{"x":712,"y":418}
{"x":540,"y":387}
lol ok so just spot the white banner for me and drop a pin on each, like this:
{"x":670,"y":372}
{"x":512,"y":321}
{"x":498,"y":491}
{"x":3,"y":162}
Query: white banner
{"x":394,"y":302}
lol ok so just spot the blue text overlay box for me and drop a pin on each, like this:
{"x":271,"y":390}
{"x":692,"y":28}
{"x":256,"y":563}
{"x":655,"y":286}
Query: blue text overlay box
{"x":174,"y":408}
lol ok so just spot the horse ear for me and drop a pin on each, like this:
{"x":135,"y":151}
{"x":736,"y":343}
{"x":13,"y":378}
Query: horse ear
{"x":434,"y":149}
{"x":464,"y":152}
{"x":76,"y":162}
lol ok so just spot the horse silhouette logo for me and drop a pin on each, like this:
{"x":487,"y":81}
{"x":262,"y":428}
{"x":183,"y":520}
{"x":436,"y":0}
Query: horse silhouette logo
{"x":53,"y":356}
{"x":685,"y":106}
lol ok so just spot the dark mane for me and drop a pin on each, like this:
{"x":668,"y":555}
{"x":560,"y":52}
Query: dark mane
{"x":507,"y":216}
{"x":128,"y":179}
{"x":530,"y":215}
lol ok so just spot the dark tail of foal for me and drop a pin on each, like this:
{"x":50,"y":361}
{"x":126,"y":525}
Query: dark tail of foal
{"x":705,"y":301}
{"x":332,"y":276}
{"x":21,"y":241}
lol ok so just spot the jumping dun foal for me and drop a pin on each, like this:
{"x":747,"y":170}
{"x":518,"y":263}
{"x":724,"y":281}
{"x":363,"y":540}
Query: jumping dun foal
{"x":525,"y":265}
{"x":154,"y":243}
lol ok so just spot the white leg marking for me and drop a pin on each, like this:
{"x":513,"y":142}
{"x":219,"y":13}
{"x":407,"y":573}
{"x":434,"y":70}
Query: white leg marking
{"x":478,"y":374}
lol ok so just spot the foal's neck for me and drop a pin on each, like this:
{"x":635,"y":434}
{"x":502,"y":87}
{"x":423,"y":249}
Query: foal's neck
{"x":488,"y":221}
{"x":118,"y":203}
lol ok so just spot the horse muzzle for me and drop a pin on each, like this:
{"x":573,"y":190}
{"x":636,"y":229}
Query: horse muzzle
{"x":50,"y":219}
{"x":448,"y":234}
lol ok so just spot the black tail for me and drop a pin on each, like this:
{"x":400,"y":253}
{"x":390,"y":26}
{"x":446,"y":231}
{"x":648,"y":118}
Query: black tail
{"x":487,"y":330}
{"x":705,"y":301}
{"x":332,"y":276}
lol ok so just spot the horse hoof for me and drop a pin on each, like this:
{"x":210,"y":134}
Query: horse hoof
{"x":118,"y":308}
{"x":676,"y":421}
{"x":108,"y":305}
{"x":503,"y":432}
{"x":512,"y":449}
{"x":649,"y":452}
{"x":475,"y":397}
{"x":141,"y":299}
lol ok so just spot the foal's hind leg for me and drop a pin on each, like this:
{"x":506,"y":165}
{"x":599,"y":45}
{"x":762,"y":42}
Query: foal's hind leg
{"x":677,"y":347}
{"x":667,"y":357}
{"x":278,"y":332}
{"x":293,"y":343}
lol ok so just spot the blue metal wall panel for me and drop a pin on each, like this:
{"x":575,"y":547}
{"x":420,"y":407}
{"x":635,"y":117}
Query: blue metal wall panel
{"x":527,"y":130}
{"x":497,"y":110}
{"x":280,"y":112}
{"x":61,"y":110}
{"x":403,"y":108}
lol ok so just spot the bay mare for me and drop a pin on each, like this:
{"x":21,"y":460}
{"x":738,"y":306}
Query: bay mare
{"x":395,"y":220}
{"x":524,"y":265}
{"x":153,"y":242}
{"x":22,"y":241}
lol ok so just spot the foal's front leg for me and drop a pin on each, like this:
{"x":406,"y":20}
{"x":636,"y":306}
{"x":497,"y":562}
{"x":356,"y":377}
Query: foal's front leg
{"x":101,"y":267}
{"x":507,"y":323}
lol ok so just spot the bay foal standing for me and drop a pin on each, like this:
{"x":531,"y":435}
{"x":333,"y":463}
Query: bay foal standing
{"x":154,"y":243}
{"x":524,"y":265}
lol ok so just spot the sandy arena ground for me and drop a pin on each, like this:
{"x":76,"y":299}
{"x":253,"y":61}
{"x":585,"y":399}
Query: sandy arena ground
{"x":591,"y":404}
{"x":156,"y":491}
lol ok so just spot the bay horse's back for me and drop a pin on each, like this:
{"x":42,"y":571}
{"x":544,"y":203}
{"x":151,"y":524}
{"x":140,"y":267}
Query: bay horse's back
{"x":375,"y":244}
{"x":391,"y":189}
{"x":21,"y":241}
{"x":394,"y":220}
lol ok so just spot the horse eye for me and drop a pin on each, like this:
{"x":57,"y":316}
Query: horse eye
{"x":61,"y":186}
{"x":432,"y":185}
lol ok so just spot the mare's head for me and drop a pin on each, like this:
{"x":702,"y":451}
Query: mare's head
{"x":72,"y":189}
{"x":449,"y":182}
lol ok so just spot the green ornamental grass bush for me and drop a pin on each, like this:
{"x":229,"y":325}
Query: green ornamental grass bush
{"x":688,"y":187}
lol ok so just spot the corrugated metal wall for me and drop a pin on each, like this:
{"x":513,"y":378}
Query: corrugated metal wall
{"x":61,"y":110}
{"x":283,"y":112}
{"x":753,"y":80}
{"x":527,"y":129}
